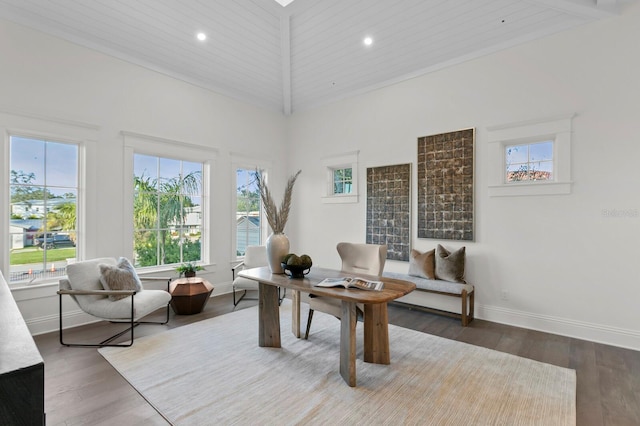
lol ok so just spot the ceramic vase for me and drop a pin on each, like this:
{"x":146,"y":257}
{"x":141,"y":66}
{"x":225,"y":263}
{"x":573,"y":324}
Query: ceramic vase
{"x":277,"y":247}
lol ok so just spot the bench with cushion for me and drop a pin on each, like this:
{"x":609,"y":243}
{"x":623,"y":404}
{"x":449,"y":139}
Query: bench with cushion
{"x":440,"y":272}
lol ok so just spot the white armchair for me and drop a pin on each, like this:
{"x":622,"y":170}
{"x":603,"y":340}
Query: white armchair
{"x":254,"y":257}
{"x":368,"y":259}
{"x":83,"y":284}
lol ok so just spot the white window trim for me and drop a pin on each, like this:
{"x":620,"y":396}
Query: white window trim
{"x":239,"y":161}
{"x":557,"y":129}
{"x":341,"y":161}
{"x":135,"y":143}
{"x":85,"y":135}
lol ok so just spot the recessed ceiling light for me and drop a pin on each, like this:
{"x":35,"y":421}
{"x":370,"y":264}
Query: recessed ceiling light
{"x":368,"y":41}
{"x":201,"y":36}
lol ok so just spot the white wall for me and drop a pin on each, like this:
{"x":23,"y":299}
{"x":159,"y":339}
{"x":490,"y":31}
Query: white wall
{"x":43,"y":76}
{"x":566,"y":268}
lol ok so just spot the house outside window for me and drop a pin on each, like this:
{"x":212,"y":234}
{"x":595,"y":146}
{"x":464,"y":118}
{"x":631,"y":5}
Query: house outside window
{"x":529,"y":162}
{"x":248,"y":208}
{"x":167,"y":210}
{"x":43,"y":187}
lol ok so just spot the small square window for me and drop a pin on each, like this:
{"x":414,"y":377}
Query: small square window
{"x":342,"y":181}
{"x":342,"y":178}
{"x":530,"y":158}
{"x":529,"y":162}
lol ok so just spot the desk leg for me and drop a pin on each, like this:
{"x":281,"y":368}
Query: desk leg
{"x":376,"y":334}
{"x":295,"y":313}
{"x":268,"y":316}
{"x":348,"y":343}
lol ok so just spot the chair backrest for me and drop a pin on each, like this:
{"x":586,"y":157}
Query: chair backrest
{"x":85,"y":275}
{"x":255,"y":256}
{"x":362,"y":258}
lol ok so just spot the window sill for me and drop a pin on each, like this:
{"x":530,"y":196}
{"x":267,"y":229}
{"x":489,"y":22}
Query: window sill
{"x":523,"y":189}
{"x":340,"y":199}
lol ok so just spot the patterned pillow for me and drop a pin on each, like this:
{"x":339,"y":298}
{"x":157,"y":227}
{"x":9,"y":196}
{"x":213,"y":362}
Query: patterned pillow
{"x":450,"y":265}
{"x":119,"y":277}
{"x":423,"y":264}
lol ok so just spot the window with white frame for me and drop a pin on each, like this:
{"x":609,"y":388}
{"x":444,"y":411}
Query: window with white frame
{"x":342,"y":181}
{"x":248,"y":208}
{"x":167,"y":210}
{"x":43,"y":225}
{"x":168,"y":215}
{"x":529,"y":162}
{"x":342,"y":178}
{"x":530,"y":158}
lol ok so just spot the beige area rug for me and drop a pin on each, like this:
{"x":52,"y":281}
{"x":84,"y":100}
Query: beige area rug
{"x":214,"y":373}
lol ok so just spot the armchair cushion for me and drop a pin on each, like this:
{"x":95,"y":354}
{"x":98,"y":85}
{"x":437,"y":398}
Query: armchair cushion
{"x":146,"y":302}
{"x":119,"y":277}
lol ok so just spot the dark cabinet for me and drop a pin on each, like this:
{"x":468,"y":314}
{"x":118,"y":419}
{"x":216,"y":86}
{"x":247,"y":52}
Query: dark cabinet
{"x":21,"y":367}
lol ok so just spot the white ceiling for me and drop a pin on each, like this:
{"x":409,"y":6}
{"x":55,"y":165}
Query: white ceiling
{"x":308,"y":53}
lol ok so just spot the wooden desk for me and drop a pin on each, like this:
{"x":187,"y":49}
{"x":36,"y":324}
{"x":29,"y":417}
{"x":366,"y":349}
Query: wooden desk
{"x":376,"y":321}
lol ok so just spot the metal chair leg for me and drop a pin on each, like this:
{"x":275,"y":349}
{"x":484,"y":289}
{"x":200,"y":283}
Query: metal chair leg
{"x":106,"y":342}
{"x":235,"y":302}
{"x":309,"y":318}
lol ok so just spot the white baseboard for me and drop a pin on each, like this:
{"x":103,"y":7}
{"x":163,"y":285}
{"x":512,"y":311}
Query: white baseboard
{"x":49,"y":323}
{"x":625,"y":338}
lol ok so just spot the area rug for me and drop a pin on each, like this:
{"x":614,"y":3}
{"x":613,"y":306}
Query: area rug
{"x":214,"y":372}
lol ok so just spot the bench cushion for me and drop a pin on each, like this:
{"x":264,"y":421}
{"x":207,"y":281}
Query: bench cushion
{"x":431,"y":285}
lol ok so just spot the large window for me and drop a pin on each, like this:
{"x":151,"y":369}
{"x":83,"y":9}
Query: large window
{"x":167,"y":210}
{"x":43,"y":186}
{"x":248,"y":224}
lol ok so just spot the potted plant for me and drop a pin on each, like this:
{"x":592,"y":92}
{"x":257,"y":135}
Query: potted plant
{"x":189,"y":269}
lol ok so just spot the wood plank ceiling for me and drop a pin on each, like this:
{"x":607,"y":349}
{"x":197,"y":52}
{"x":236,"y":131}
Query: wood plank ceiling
{"x":308,"y":53}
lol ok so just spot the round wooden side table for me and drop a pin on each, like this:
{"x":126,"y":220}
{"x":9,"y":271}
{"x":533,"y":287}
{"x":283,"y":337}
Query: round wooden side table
{"x":189,"y":295}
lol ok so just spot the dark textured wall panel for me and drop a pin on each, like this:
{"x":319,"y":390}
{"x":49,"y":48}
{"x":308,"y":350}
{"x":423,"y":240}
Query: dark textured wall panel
{"x":445,"y":185}
{"x":389,"y":209}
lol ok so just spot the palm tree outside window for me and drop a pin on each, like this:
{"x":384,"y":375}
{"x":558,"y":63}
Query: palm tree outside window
{"x":167,"y":211}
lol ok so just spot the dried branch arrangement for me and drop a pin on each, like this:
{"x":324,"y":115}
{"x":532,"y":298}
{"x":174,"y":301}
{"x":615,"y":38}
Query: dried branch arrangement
{"x":277,"y":218}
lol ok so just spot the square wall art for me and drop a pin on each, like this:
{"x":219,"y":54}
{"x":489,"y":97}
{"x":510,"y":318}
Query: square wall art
{"x":389,"y":209}
{"x":445,"y":185}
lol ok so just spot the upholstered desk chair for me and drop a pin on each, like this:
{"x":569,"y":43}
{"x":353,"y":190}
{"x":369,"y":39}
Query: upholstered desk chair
{"x":84,"y":283}
{"x":365,"y":259}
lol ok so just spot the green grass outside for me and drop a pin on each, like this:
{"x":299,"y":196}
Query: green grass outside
{"x":35,"y":255}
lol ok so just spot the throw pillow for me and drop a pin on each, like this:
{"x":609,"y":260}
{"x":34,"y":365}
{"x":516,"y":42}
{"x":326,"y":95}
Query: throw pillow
{"x":450,"y":265}
{"x":122,"y":276}
{"x":423,"y":264}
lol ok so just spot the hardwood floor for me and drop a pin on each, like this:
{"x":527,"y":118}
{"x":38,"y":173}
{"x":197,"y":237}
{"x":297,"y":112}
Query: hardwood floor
{"x":81,"y":388}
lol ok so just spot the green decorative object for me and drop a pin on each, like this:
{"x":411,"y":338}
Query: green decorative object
{"x":189,"y":269}
{"x":296,"y":266}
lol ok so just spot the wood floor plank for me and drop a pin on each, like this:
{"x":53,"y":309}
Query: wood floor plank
{"x":588,"y":398}
{"x":81,"y":388}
